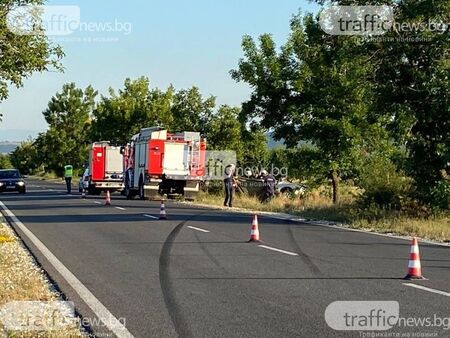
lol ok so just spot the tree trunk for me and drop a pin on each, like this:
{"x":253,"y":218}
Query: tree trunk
{"x":335,"y":182}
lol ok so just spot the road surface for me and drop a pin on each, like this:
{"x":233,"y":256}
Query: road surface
{"x":194,"y":275}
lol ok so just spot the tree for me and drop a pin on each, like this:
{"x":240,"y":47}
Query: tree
{"x":190,"y":111}
{"x":223,"y":131}
{"x":315,"y":89}
{"x":24,"y":158}
{"x":68,"y":117}
{"x":120,"y":116}
{"x":22,"y":55}
{"x":255,"y":150}
{"x":5,"y":162}
{"x":415,"y":101}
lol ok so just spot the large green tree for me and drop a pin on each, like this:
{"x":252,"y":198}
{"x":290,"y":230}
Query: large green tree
{"x":223,"y":131}
{"x":120,"y":115}
{"x":25,"y":157}
{"x":191,"y":111}
{"x":314,"y":89}
{"x":413,"y":93}
{"x":68,"y":117}
{"x":22,"y":55}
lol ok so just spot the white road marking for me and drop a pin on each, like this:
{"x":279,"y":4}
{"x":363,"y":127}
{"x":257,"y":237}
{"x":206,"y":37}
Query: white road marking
{"x":198,"y":229}
{"x":150,"y":216}
{"x":111,"y":322}
{"x":120,"y":208}
{"x":278,"y":250}
{"x":97,"y":202}
{"x":439,"y":292}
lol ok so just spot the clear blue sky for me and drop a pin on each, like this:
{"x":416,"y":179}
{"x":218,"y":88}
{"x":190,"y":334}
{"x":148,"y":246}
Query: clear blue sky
{"x":177,"y":42}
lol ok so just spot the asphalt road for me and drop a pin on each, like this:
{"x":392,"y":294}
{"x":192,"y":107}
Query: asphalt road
{"x":194,"y":275}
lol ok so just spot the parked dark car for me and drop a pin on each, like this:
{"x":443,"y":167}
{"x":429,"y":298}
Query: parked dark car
{"x":12,"y":180}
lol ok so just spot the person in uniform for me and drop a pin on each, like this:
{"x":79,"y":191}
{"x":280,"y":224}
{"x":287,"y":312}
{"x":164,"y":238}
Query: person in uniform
{"x":269,"y":186}
{"x":229,"y":185}
{"x":68,"y":173}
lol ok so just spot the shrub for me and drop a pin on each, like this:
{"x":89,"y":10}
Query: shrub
{"x":440,"y":194}
{"x":384,"y":184}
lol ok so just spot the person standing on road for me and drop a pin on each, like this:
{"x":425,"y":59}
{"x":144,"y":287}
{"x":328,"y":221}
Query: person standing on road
{"x":68,"y":173}
{"x":269,"y":186}
{"x":229,"y":185}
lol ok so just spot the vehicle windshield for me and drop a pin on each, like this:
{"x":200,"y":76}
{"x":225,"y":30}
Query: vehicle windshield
{"x":4,"y":174}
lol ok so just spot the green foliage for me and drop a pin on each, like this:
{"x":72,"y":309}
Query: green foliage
{"x":66,"y":141}
{"x":25,"y":158}
{"x":5,"y":162}
{"x":255,"y":151}
{"x":440,"y":194}
{"x":190,"y":111}
{"x":314,"y":89}
{"x":415,"y":100}
{"x":384,"y":185}
{"x":223,"y":131}
{"x":22,"y":55}
{"x":121,"y":115}
{"x":351,"y":98}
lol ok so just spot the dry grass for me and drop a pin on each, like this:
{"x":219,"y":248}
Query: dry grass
{"x":317,"y":205}
{"x":22,"y":280}
{"x":436,"y":228}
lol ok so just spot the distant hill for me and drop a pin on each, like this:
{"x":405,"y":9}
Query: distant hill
{"x":7,"y":147}
{"x":17,"y":135}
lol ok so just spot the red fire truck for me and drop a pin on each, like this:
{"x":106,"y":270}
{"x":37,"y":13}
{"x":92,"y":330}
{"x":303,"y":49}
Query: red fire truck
{"x":158,"y":162}
{"x":105,"y":171}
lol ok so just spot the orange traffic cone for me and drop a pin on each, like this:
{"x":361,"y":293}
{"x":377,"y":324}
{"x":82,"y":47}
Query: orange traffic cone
{"x":414,"y":266}
{"x":254,"y":234}
{"x":162,"y":212}
{"x":108,"y":198}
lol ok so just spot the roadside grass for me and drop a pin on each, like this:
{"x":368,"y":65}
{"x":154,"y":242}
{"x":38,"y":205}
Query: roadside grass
{"x":22,"y":280}
{"x":317,"y":205}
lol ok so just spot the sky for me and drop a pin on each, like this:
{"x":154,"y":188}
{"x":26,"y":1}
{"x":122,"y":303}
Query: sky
{"x":179,"y":42}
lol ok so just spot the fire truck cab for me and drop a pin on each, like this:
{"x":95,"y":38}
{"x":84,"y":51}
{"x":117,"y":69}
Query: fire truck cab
{"x":158,"y":162}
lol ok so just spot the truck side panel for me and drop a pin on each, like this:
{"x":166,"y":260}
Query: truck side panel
{"x":113,"y":160}
{"x":98,"y":163}
{"x":176,"y":159}
{"x":156,"y":157}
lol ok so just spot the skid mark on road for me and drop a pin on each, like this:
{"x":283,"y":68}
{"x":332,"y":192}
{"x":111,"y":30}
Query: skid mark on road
{"x":303,"y":256}
{"x":179,"y":322}
{"x":208,"y":254}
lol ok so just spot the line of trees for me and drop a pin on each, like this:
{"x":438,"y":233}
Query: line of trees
{"x":78,"y":117}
